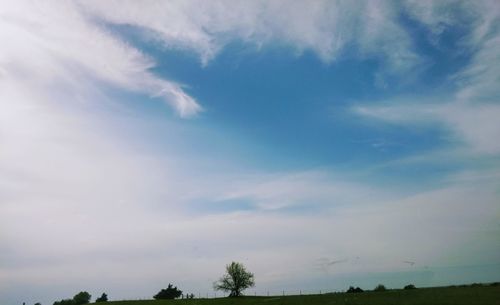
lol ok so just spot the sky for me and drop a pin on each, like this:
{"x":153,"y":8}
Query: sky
{"x":322,"y":144}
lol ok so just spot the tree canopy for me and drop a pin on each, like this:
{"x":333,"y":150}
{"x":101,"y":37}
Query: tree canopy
{"x":82,"y":297}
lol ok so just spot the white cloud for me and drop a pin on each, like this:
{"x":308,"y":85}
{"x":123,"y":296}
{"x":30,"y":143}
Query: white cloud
{"x":312,"y":189}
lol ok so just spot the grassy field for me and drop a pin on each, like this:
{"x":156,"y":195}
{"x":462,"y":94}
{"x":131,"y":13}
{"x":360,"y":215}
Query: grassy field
{"x":429,"y":296}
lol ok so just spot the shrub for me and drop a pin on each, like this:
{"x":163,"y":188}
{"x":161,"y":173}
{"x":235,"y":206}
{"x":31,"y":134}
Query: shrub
{"x":65,"y":302}
{"x":411,"y":286}
{"x":354,"y":290}
{"x":380,"y":287}
{"x":102,"y":298}
{"x":169,"y":293}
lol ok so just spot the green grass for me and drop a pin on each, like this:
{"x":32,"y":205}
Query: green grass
{"x":484,"y":295}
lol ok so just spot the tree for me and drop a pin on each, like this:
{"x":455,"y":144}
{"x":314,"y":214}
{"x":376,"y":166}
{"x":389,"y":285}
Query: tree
{"x":102,"y":298}
{"x":83,"y":297}
{"x":169,"y":293}
{"x":236,"y":279}
{"x":411,"y":286}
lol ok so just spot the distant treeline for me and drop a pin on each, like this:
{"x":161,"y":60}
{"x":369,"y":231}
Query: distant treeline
{"x":381,"y":287}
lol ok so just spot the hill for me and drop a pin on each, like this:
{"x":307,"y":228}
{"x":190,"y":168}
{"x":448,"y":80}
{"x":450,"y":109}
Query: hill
{"x":483,"y":295}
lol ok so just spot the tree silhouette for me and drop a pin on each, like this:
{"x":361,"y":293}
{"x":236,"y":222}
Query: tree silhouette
{"x":236,"y":279}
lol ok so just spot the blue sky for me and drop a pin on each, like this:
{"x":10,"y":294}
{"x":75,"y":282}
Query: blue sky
{"x":286,"y":135}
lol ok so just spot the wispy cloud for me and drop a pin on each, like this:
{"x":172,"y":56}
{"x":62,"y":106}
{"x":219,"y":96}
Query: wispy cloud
{"x":459,"y":119}
{"x":470,"y":112}
{"x":55,"y":43}
{"x":323,"y":27}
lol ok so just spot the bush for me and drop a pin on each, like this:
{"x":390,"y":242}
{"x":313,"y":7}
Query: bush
{"x":380,"y":287}
{"x":65,"y":302}
{"x":354,"y":290}
{"x":102,"y":298}
{"x":169,"y":293}
{"x":411,"y":286}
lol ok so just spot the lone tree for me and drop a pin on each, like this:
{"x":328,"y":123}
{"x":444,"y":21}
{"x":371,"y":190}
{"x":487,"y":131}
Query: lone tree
{"x":236,"y":279}
{"x":169,"y":293}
